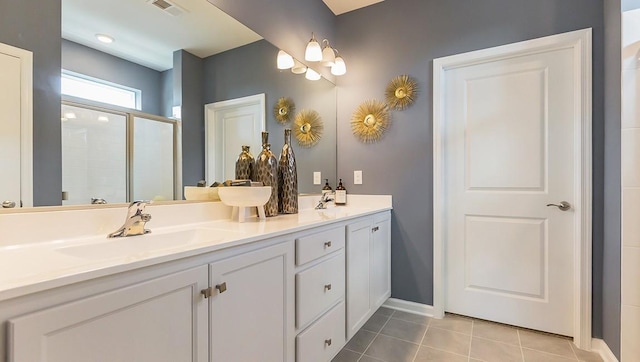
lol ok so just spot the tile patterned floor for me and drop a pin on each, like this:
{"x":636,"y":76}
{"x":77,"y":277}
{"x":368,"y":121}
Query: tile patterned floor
{"x":394,"y":336}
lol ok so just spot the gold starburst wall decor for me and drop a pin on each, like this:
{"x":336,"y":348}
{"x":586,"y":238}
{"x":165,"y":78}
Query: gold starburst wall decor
{"x":284,"y":110}
{"x":401,"y":92}
{"x":308,"y":127}
{"x":370,"y":120}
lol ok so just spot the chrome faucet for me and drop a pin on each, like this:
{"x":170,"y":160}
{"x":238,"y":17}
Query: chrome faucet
{"x":98,"y":201}
{"x":135,"y":221}
{"x":325,"y":199}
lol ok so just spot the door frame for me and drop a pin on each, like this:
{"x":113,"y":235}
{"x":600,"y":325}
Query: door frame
{"x":580,"y":42}
{"x":210,"y":111}
{"x":26,"y":121}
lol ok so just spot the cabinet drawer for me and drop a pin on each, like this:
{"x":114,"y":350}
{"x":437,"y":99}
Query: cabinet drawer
{"x":324,"y":338}
{"x":318,"y":288}
{"x":313,"y":246}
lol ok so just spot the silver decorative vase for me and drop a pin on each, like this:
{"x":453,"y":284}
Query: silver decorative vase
{"x":266,"y":171}
{"x":245,"y":165}
{"x":287,"y":178}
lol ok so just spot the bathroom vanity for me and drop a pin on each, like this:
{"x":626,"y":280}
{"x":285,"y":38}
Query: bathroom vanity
{"x":198,"y":288}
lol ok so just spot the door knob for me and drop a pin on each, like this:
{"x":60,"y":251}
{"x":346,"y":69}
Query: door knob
{"x":8,"y":204}
{"x":563,"y":205}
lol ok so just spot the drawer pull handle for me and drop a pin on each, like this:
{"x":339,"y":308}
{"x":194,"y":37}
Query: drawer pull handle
{"x":327,"y":287}
{"x":375,"y":229}
{"x":222,"y":287}
{"x":327,"y":244}
{"x":327,"y":342}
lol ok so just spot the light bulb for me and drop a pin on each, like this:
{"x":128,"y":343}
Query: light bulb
{"x":104,"y":38}
{"x":313,"y":53}
{"x":312,"y":74}
{"x":285,"y":61}
{"x":339,"y":67}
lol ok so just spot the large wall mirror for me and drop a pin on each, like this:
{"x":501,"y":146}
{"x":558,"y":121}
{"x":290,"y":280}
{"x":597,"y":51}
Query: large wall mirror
{"x":182,"y":55}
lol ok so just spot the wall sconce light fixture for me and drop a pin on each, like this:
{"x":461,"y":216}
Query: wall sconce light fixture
{"x":312,"y":74}
{"x":326,"y":55}
{"x":285,"y":61}
{"x":313,"y":53}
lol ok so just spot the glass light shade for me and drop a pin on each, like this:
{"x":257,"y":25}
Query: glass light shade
{"x":339,"y":67}
{"x":285,"y":61}
{"x":298,"y":68}
{"x":313,"y":53}
{"x":328,"y":56}
{"x":312,"y":74}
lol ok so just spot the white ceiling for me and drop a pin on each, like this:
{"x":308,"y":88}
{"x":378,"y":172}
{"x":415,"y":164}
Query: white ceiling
{"x":147,"y":35}
{"x":344,"y":6}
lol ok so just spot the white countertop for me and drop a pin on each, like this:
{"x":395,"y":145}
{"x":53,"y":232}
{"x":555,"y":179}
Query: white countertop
{"x":49,"y":254}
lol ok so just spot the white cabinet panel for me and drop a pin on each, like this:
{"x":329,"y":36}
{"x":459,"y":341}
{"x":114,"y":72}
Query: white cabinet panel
{"x":380,"y":260}
{"x":164,"y":319}
{"x":316,"y":245}
{"x":323,"y":339}
{"x":318,"y":288}
{"x":358,"y":264}
{"x":251,"y":309}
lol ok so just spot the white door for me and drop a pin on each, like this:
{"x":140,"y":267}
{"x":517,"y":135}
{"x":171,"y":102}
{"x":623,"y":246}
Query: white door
{"x":15,"y":125}
{"x":508,"y":152}
{"x":230,"y":125}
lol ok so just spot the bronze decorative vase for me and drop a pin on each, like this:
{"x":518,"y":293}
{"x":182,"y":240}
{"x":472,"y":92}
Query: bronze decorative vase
{"x":266,"y":171}
{"x":287,"y":178}
{"x":245,"y":165}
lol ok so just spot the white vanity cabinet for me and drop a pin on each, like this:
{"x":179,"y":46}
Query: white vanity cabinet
{"x":368,"y":245}
{"x":163,"y":319}
{"x":251,"y":306}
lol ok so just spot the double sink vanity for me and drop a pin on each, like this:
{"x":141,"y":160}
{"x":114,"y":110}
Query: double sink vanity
{"x":199,"y":287}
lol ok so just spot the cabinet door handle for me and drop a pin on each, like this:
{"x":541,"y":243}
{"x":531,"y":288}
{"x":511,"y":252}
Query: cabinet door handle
{"x":222,"y":287}
{"x":375,"y":229}
{"x":327,"y":244}
{"x":327,"y":287}
{"x":327,"y":342}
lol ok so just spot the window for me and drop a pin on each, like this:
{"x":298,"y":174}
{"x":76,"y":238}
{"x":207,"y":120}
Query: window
{"x":81,"y":86}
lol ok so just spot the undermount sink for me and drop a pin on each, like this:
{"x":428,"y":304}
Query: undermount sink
{"x":137,"y":246}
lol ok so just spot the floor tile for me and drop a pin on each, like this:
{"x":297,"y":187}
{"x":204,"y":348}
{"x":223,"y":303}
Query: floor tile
{"x":369,"y":359}
{"x":488,"y":350}
{"x":496,"y":332}
{"x":537,"y":356}
{"x":586,"y":356}
{"x":385,"y":311}
{"x":375,"y":323}
{"x":407,"y":331}
{"x":428,"y":354}
{"x":360,"y":341}
{"x":411,"y":317}
{"x":346,"y":356}
{"x":391,"y":349}
{"x":546,"y":343}
{"x":453,"y":323}
{"x":447,"y":340}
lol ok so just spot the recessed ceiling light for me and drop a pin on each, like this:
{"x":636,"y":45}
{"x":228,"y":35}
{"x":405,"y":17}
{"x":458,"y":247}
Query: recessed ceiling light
{"x":104,"y":38}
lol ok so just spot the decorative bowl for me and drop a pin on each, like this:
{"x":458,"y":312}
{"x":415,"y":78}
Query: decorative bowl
{"x":244,"y":196}
{"x":201,"y":193}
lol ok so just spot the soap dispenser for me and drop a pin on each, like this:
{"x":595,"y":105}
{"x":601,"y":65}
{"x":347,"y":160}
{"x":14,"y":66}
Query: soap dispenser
{"x":326,"y":189}
{"x":341,"y":194}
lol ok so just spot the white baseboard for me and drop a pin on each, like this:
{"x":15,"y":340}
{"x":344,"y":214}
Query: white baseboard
{"x":409,"y":307}
{"x":600,"y":346}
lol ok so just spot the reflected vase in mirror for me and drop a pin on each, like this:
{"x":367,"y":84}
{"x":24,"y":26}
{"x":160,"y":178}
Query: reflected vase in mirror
{"x":287,"y":178}
{"x":266,"y":171}
{"x":245,"y":165}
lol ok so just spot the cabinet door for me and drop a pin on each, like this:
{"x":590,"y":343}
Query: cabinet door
{"x":358,"y":264}
{"x":252,"y":306}
{"x":164,"y":319}
{"x":380,"y":259}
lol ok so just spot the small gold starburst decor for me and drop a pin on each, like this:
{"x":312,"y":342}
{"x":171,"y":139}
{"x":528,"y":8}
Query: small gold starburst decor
{"x":284,"y":109}
{"x":401,"y":92}
{"x":308,"y":127}
{"x":370,"y":121}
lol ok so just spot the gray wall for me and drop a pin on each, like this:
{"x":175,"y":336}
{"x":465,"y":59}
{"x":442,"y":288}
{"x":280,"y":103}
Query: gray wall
{"x":403,"y":37}
{"x":607,"y":268}
{"x":38,"y":29}
{"x":250,"y":70}
{"x":84,"y":60}
{"x":188,"y":93}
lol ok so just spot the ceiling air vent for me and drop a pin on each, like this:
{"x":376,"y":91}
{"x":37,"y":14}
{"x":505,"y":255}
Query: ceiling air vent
{"x":168,"y":7}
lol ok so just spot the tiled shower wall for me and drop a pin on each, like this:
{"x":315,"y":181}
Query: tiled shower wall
{"x":630,"y":314}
